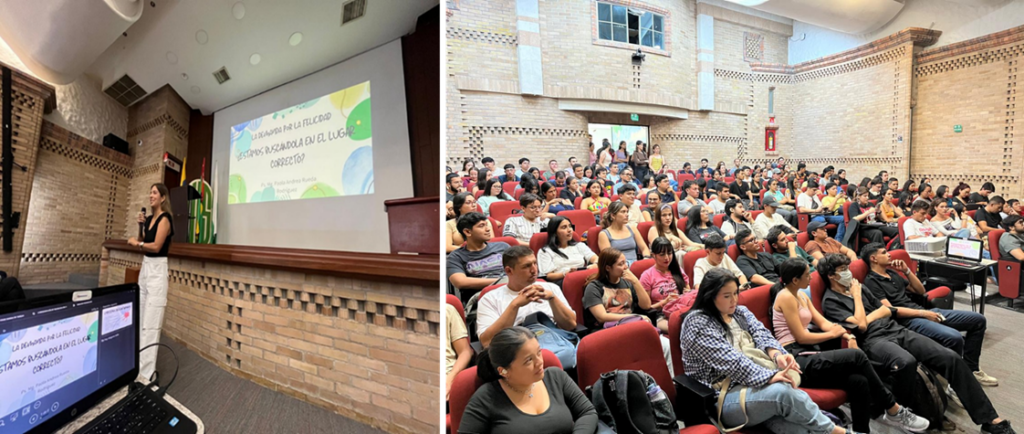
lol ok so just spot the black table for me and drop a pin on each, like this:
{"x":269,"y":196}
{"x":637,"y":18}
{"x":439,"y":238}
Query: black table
{"x":967,"y":274}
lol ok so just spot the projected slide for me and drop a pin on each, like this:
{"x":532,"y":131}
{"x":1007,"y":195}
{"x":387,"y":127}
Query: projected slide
{"x":618,"y":133}
{"x":320,"y":148}
{"x":39,"y":360}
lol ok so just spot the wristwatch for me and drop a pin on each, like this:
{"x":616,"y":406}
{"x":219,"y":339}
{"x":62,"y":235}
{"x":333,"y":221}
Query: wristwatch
{"x":141,"y":244}
{"x":893,"y":311}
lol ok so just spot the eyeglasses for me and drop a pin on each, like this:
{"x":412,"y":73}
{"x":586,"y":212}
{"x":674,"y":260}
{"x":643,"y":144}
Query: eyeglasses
{"x":535,"y":208}
{"x":748,"y":241}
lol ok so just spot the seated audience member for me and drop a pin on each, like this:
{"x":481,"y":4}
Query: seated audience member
{"x":614,"y":174}
{"x":784,"y":204}
{"x":988,"y":215}
{"x":704,"y":171}
{"x":1011,"y":243}
{"x":560,"y":179}
{"x":653,"y":203}
{"x":665,"y":282}
{"x":488,"y":163}
{"x":718,"y":203}
{"x":532,"y":186}
{"x":944,"y":194}
{"x":875,"y":189}
{"x":477,"y":264}
{"x":510,"y":174}
{"x":492,"y":193}
{"x":687,"y":169}
{"x":614,"y":295}
{"x":905,"y":201}
{"x":509,"y":305}
{"x":925,"y":194}
{"x":708,"y":188}
{"x":946,"y":221}
{"x":785,"y":249}
{"x":740,"y":189}
{"x":864,"y":213}
{"x":627,"y":195}
{"x":699,"y":227}
{"x":563,"y":255}
{"x":665,"y":189}
{"x":848,"y":369}
{"x":1011,"y":207}
{"x":757,"y":266}
{"x":483,"y":175}
{"x":832,"y":207}
{"x":532,"y":221}
{"x":534,"y":172}
{"x":887,"y":212}
{"x":520,"y":395}
{"x":524,"y":166}
{"x":713,"y":341}
{"x":897,"y":349}
{"x":769,"y":219}
{"x":821,"y":245}
{"x":737,"y":217}
{"x":893,"y":184}
{"x":625,"y":177}
{"x":570,"y":169}
{"x":588,"y":175}
{"x":462,"y":204}
{"x":716,"y":258}
{"x":961,"y":197}
{"x":619,"y":234}
{"x":452,"y":186}
{"x":981,"y":196}
{"x":941,"y":325}
{"x":595,"y":200}
{"x":909,"y":187}
{"x":577,"y":172}
{"x":691,"y":197}
{"x":552,"y":170}
{"x":554,"y":203}
{"x":665,"y":226}
{"x":457,"y":352}
{"x":571,"y":191}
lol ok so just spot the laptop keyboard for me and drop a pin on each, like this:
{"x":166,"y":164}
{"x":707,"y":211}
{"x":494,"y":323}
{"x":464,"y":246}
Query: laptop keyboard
{"x":140,"y":415}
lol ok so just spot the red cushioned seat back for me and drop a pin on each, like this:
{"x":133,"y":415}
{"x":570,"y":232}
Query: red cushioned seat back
{"x":757,"y":300}
{"x":509,"y":187}
{"x":602,"y":352}
{"x":859,"y":269}
{"x":645,"y":228}
{"x":718,"y":220}
{"x":592,"y":235}
{"x":733,"y":252}
{"x":454,"y":301}
{"x":817,"y":290}
{"x":639,"y":267}
{"x":580,"y":219}
{"x":690,"y":259}
{"x":512,"y":242}
{"x":572,"y":289}
{"x":903,"y":235}
{"x":502,"y":210}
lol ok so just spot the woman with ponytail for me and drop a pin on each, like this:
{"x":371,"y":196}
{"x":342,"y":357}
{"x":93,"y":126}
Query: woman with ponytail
{"x":619,"y":234}
{"x":848,"y":369}
{"x":521,"y":395}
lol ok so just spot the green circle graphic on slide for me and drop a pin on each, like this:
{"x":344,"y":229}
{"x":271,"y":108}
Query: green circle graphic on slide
{"x":94,"y":331}
{"x":359,"y":121}
{"x":236,"y":189}
{"x":319,"y":190}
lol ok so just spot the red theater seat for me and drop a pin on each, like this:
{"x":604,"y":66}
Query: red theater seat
{"x":1009,"y":269}
{"x":644,"y":228}
{"x":454,"y":301}
{"x":572,"y":289}
{"x":602,"y":352}
{"x":689,"y":259}
{"x":501,"y":211}
{"x":581,"y":220}
{"x":512,"y":242}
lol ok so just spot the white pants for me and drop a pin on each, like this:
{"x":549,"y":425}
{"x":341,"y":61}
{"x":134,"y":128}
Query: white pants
{"x":666,"y":349}
{"x":153,"y":299}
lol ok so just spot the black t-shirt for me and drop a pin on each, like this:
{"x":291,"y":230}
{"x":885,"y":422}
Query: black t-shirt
{"x":855,"y":211}
{"x":619,"y":298}
{"x":873,"y":196}
{"x":490,"y":410}
{"x":150,"y":235}
{"x":893,"y":289}
{"x":764,"y":265}
{"x":975,"y":198}
{"x":740,"y":189}
{"x":838,"y":307}
{"x":993,"y":220}
{"x":568,"y":195}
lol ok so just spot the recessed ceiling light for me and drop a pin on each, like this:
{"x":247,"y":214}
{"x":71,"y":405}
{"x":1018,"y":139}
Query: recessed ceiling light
{"x":172,"y":58}
{"x":195,"y":90}
{"x":254,"y":59}
{"x":238,"y":10}
{"x":202,"y":37}
{"x":184,"y":76}
{"x":295,"y":39}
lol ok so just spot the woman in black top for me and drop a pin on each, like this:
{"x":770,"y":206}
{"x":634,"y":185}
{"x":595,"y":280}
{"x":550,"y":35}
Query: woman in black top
{"x":520,"y":395}
{"x":155,"y":243}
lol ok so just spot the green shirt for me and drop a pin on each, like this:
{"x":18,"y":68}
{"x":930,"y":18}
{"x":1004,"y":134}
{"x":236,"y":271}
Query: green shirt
{"x":780,"y":257}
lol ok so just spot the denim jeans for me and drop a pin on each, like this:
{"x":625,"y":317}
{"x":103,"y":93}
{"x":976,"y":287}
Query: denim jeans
{"x":947,"y":333}
{"x":780,"y":407}
{"x":835,"y":220}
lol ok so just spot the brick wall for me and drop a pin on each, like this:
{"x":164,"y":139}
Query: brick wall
{"x":366,"y":350}
{"x":79,"y":196}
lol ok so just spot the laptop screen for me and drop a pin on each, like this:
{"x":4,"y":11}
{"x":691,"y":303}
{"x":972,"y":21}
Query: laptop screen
{"x":964,"y":248}
{"x":52,"y":356}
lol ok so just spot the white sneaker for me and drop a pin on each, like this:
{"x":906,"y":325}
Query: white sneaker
{"x":951,"y":394}
{"x":905,"y":420}
{"x":985,"y":379}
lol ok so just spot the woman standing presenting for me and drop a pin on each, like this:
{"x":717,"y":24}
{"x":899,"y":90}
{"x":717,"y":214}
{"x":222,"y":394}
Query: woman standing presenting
{"x":155,"y":242}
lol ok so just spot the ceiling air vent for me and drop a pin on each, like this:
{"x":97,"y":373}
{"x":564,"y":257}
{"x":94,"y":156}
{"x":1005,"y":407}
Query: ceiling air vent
{"x":125,"y":91}
{"x":221,"y":75}
{"x":352,"y":10}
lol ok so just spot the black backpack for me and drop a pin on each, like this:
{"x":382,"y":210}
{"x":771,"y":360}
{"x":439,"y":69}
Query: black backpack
{"x":925,"y":396}
{"x":631,"y":402}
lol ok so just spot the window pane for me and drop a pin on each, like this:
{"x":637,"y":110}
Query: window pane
{"x":604,"y":30}
{"x":659,"y":40}
{"x":657,"y":23}
{"x":604,"y":12}
{"x":646,"y":21}
{"x":619,"y":14}
{"x":647,"y":38}
{"x":620,"y":33}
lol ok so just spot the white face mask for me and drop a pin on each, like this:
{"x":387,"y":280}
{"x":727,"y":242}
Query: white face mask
{"x":845,"y":277}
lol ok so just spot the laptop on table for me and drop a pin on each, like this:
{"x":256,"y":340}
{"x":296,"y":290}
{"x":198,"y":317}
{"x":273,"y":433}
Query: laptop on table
{"x":62,"y":355}
{"x":963,"y":252}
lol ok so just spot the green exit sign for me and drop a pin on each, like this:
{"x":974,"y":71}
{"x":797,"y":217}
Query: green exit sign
{"x":634,"y":117}
{"x":958,"y":128}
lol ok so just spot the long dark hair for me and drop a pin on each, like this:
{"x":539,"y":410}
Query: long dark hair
{"x":658,"y":213}
{"x":458,"y":201}
{"x":501,"y":352}
{"x":605,"y":259}
{"x":791,"y":269}
{"x":482,"y":175}
{"x":710,"y":286}
{"x":693,"y":220}
{"x":906,"y":185}
{"x":591,"y":184}
{"x":487,"y":190}
{"x":552,"y":244}
{"x":662,"y":246}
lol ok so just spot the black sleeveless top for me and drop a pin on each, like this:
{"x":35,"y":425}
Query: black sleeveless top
{"x":151,"y":235}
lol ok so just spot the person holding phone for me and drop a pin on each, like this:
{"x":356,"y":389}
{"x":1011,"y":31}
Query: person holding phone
{"x":153,"y":277}
{"x":863,"y":212}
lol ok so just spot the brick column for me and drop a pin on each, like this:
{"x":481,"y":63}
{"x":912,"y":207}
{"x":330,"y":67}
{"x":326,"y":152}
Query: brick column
{"x":531,"y":77}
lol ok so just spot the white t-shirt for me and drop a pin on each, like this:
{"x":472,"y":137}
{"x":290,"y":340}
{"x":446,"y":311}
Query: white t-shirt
{"x":717,"y":206}
{"x":703,"y":266}
{"x":805,"y":200}
{"x":492,"y":305}
{"x":551,"y":262}
{"x":730,"y":227}
{"x":912,"y":228}
{"x":763,"y":224}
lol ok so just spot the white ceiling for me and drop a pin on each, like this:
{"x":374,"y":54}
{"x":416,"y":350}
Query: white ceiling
{"x":264,"y":29}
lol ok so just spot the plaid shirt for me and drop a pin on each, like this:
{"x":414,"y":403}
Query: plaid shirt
{"x":709,"y":357}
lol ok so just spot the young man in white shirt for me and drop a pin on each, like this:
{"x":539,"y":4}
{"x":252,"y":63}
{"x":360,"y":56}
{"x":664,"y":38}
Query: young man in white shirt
{"x":627,"y":195}
{"x":918,"y":225}
{"x":522,"y":227}
{"x":769,"y":219}
{"x":509,"y":305}
{"x":716,"y":258}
